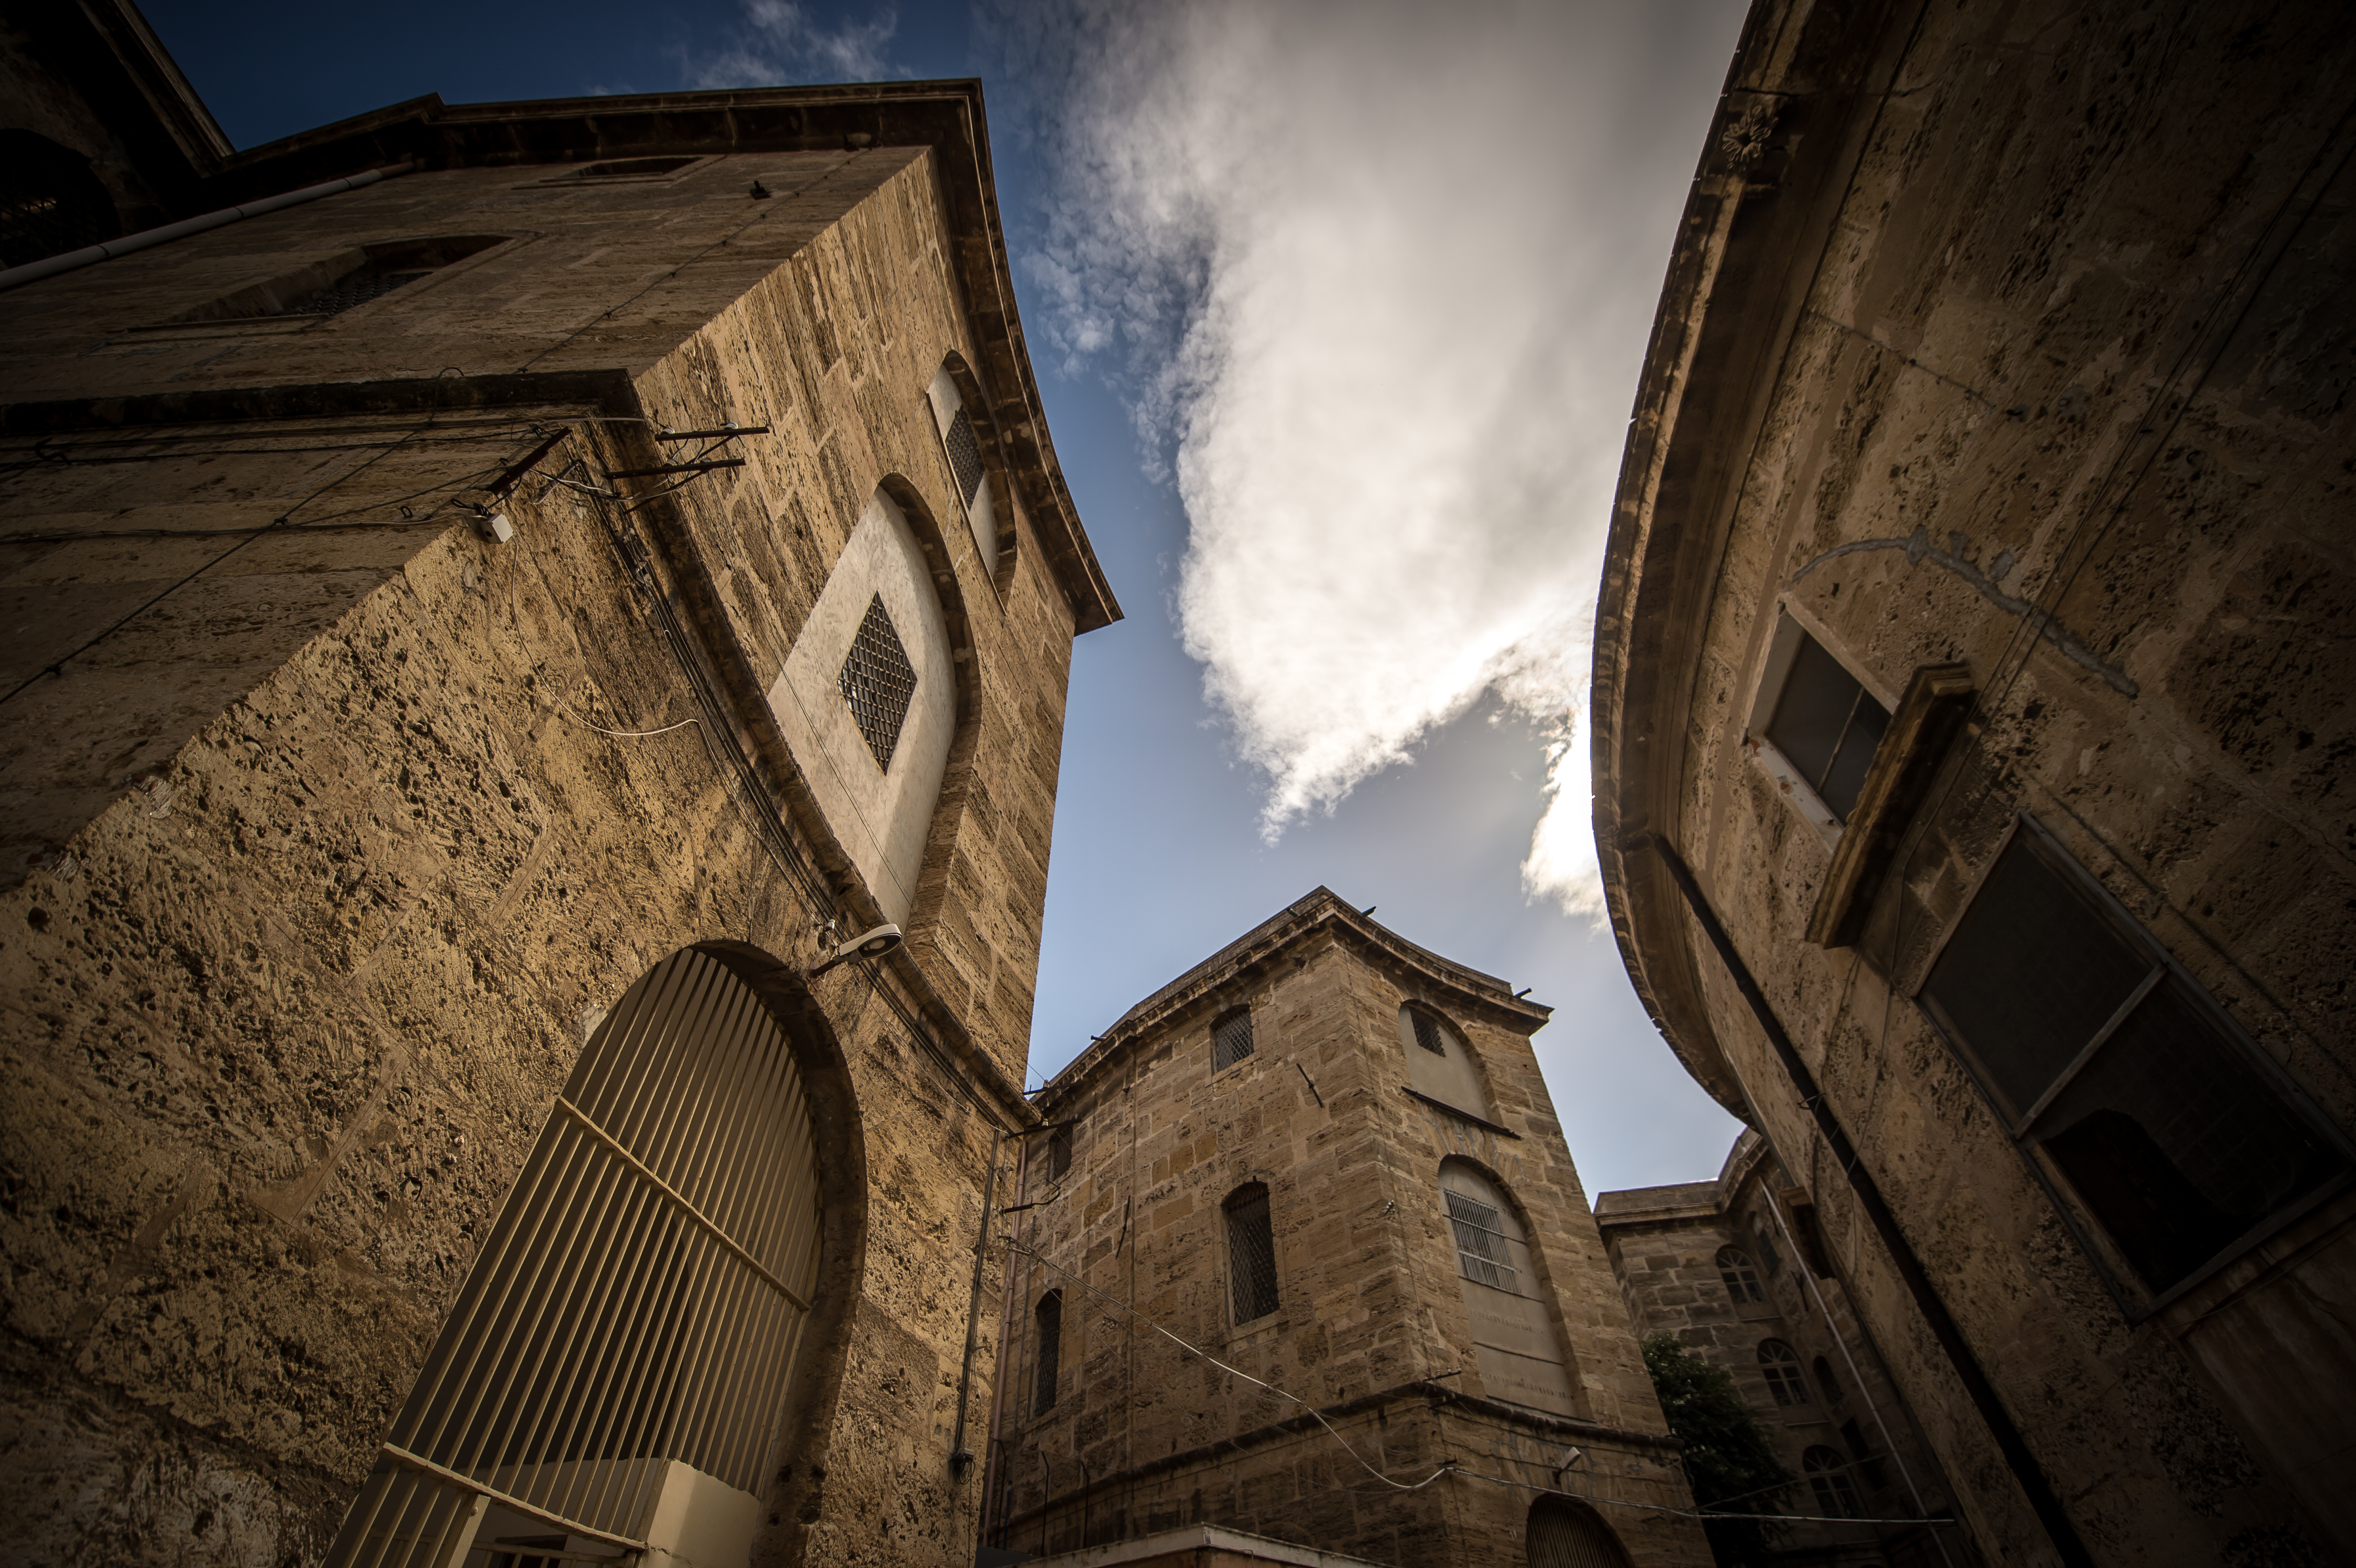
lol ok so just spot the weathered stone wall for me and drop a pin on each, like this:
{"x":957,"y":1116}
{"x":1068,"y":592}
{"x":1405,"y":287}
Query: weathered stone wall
{"x":1143,"y":1434}
{"x":2060,"y":397}
{"x":1665,"y":1242}
{"x":286,"y":1010}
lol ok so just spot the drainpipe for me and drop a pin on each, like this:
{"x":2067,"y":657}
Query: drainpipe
{"x":960,"y":1455}
{"x":2027,"y":1473}
{"x":50,"y":266}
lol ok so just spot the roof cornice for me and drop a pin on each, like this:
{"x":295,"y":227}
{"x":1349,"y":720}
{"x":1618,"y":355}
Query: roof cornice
{"x":1320,"y":913}
{"x":944,"y":116}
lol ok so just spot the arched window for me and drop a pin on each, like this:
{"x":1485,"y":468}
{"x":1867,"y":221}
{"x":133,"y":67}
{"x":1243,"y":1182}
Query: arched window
{"x":627,"y":1333}
{"x":1231,"y":1039}
{"x":1767,"y":1252}
{"x":1438,"y":1063}
{"x":1566,"y":1534}
{"x":962,"y":447}
{"x":867,"y":702}
{"x":1827,"y":1384}
{"x":1741,"y":1279}
{"x":1781,"y":1363}
{"x":1251,"y":1252}
{"x":1827,"y":1475}
{"x":1050,"y":1316}
{"x":1513,"y":1338}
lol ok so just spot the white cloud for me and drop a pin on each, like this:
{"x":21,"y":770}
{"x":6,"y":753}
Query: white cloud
{"x":781,"y":42}
{"x":1381,"y":274}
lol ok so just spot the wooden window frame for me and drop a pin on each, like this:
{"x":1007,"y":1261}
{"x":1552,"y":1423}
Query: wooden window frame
{"x":2136,"y":1300}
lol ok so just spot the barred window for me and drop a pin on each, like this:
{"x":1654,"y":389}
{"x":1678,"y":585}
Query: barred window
{"x":2117,"y":1075}
{"x":964,"y":455}
{"x":1050,"y":1316}
{"x":878,"y":682}
{"x":1427,"y":1032}
{"x":1251,"y":1252}
{"x":1827,"y":1475}
{"x":1741,"y":1279}
{"x":1059,"y":1153}
{"x":1231,"y":1039}
{"x":1782,"y":1365}
{"x":1481,"y":1248}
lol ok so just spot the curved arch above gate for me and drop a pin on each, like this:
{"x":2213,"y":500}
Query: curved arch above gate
{"x":615,"y":1365}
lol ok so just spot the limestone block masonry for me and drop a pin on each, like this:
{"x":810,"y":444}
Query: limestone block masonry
{"x":1358,"y":1303}
{"x":334,"y":826}
{"x":1973,"y":655}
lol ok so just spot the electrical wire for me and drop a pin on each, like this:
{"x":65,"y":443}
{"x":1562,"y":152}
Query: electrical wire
{"x":1231,"y":1371}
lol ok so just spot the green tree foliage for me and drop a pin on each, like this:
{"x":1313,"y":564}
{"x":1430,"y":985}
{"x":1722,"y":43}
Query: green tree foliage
{"x":1729,"y":1461}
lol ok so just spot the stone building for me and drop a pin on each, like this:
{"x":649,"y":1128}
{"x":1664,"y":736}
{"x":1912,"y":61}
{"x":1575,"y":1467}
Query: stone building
{"x":1301,"y":1254}
{"x":1734,"y":1269}
{"x":484,"y":636}
{"x":1972,"y":727}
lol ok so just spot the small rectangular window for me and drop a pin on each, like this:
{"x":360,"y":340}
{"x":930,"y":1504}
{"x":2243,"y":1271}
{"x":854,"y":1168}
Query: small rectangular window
{"x":1251,"y":1254}
{"x":1059,"y":1153}
{"x":1231,"y":1039}
{"x":1481,"y":1248}
{"x":1827,"y":725}
{"x":2113,"y":1071}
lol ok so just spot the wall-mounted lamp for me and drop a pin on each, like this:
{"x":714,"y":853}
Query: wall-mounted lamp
{"x":866,"y":945}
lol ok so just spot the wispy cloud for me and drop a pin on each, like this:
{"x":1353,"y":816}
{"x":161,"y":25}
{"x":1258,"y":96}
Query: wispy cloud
{"x":1378,"y":275}
{"x":781,"y":41}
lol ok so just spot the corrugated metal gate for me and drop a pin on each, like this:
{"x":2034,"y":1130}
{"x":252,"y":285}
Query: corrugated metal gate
{"x":639,"y":1300}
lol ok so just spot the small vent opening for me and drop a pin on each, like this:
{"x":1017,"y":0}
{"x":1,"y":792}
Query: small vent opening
{"x":1428,"y":1034}
{"x":633,"y":168}
{"x":1231,"y":1039}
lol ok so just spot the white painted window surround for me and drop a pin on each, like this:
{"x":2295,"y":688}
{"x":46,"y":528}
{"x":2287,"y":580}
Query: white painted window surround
{"x":981,"y":513}
{"x":881,"y":819}
{"x":1448,"y":1075}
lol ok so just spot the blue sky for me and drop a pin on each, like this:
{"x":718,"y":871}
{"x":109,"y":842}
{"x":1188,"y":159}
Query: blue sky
{"x":1337,"y":311}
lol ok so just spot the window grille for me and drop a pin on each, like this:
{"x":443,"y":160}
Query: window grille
{"x":1427,"y":1033}
{"x":1059,"y":1153}
{"x":1231,"y":1039}
{"x":2109,"y":1062}
{"x":1867,"y":1465}
{"x":1564,"y":1534}
{"x":1741,"y":1279}
{"x":359,"y":288}
{"x":1827,"y":725}
{"x":1827,"y":1475}
{"x":1251,"y":1252}
{"x":50,"y":202}
{"x":1828,"y":1385}
{"x":1481,"y":1248}
{"x":964,"y":455}
{"x":639,"y":1300}
{"x":878,"y":682}
{"x":1051,"y":1353}
{"x":1782,"y":1365}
